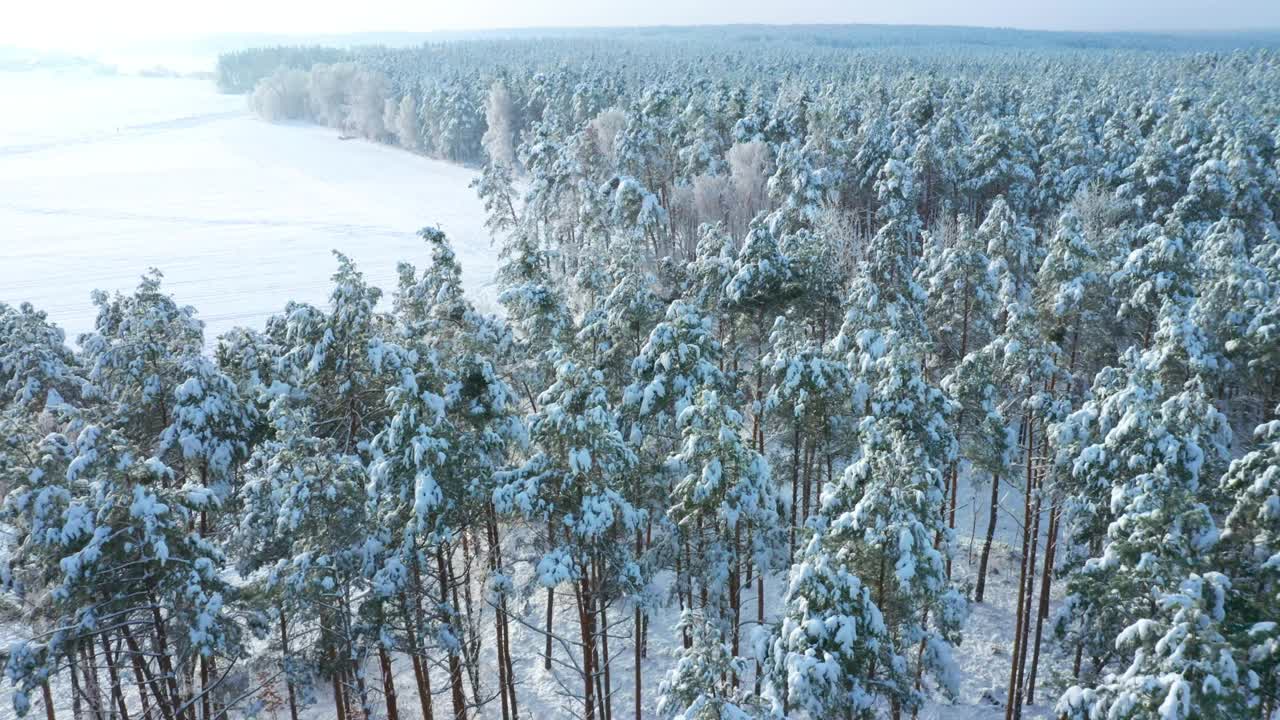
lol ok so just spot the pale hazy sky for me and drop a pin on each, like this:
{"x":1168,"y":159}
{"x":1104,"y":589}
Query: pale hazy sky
{"x":49,"y":23}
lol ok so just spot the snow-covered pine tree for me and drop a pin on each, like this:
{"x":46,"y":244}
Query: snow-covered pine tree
{"x":832,"y":654}
{"x":37,"y":369}
{"x":1000,"y":165}
{"x":985,"y":440}
{"x":809,"y":401}
{"x":452,"y":427}
{"x":1012,"y":250}
{"x":725,"y":506}
{"x":204,"y":446}
{"x":304,"y":518}
{"x":882,"y":516}
{"x":1226,"y":283}
{"x":1250,"y":553}
{"x":1182,"y":665}
{"x":699,"y":686}
{"x":957,"y":275}
{"x":1161,"y":267}
{"x":961,"y":291}
{"x":883,"y":521}
{"x":680,"y":358}
{"x":136,"y":353}
{"x":1067,"y":289}
{"x":573,"y":486}
{"x":614,"y":329}
{"x":1152,"y":453}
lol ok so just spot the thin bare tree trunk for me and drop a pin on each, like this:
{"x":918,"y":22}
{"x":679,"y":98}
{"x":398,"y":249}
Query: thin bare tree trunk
{"x":339,"y":691}
{"x":90,"y":674}
{"x":1014,"y":673}
{"x":455,"y":667}
{"x":77,"y":712}
{"x":284,"y":666}
{"x":166,"y":666}
{"x":639,"y":640}
{"x":1026,"y":613}
{"x":422,"y":672}
{"x":795,"y":488}
{"x":142,"y":673}
{"x":1046,"y":579}
{"x":420,"y":677}
{"x":141,"y":683}
{"x":117,"y":690}
{"x":551,"y":603}
{"x":502,"y":629}
{"x":606,"y":661}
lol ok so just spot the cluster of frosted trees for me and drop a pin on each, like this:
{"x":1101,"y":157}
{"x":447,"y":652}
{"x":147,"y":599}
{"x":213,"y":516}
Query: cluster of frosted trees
{"x":762,"y":337}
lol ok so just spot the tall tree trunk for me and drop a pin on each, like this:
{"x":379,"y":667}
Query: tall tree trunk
{"x":502,"y":623}
{"x":161,"y":639}
{"x":339,"y":696}
{"x":985,"y":557}
{"x":420,"y":674}
{"x":388,"y":684}
{"x":1026,"y":613}
{"x":686,"y":638}
{"x":141,"y":673}
{"x":470,"y":618}
{"x":284,"y":666}
{"x":77,"y":712}
{"x":1046,"y":579}
{"x":588,"y":648}
{"x":759,"y":620}
{"x":606,"y":661}
{"x":366,"y":708}
{"x":1014,"y":674}
{"x":139,"y":678}
{"x":795,"y":488}
{"x":639,"y":641}
{"x":551,"y":601}
{"x":735,"y":592}
{"x":90,"y":673}
{"x":117,"y":688}
{"x":422,"y":671}
{"x":339,"y":689}
{"x":455,"y":666}
{"x":204,"y":689}
{"x":47,"y":696}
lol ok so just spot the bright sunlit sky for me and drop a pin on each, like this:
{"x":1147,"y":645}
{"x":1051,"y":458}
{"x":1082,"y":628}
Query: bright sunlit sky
{"x":67,"y":24}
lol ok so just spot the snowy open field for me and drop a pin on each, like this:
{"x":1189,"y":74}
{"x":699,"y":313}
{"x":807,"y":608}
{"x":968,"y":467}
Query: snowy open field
{"x":102,"y":177}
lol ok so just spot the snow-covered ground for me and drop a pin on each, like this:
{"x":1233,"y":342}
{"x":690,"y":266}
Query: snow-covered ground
{"x":103,"y":176}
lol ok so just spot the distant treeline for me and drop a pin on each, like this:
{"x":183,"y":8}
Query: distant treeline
{"x":239,"y":72}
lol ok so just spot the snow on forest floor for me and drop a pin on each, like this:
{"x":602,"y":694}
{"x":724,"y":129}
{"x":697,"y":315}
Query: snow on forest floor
{"x":102,"y":177}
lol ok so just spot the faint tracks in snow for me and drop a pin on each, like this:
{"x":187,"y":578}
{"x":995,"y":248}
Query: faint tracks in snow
{"x":338,"y":229}
{"x":123,"y":133}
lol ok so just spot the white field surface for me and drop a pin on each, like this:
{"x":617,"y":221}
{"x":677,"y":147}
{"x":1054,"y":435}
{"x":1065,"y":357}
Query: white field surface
{"x":102,"y":177}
